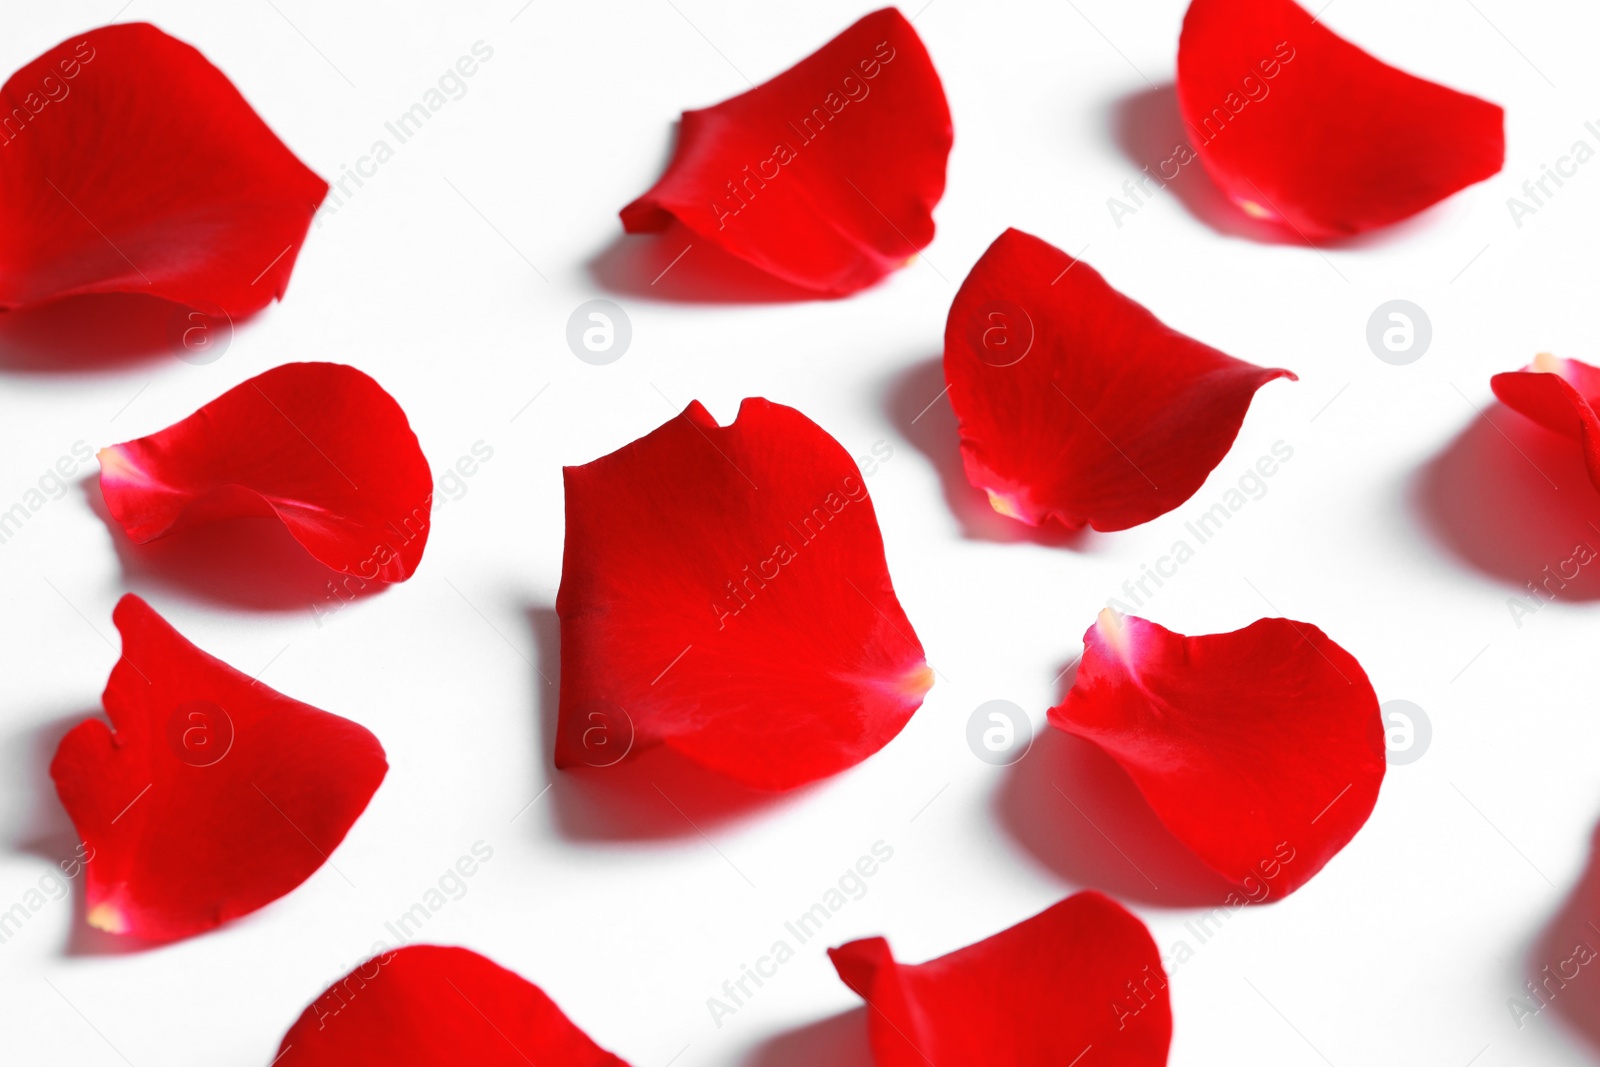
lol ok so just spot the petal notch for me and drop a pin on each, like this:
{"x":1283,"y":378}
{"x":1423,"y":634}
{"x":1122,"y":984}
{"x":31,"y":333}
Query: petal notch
{"x":827,"y":175}
{"x":724,"y":592}
{"x":1301,"y":127}
{"x":1262,"y":750}
{"x":431,"y":1006}
{"x":209,"y":795}
{"x":130,"y":164}
{"x":1083,"y":974}
{"x":319,"y":446}
{"x":1076,"y":405}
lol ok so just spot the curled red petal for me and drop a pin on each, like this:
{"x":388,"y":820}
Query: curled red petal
{"x":1558,"y":394}
{"x":130,"y":164}
{"x":1076,"y":404}
{"x":827,"y":175}
{"x":319,"y":446}
{"x":1083,"y":974}
{"x":1261,"y":750}
{"x":724,"y":592}
{"x":1301,"y":127}
{"x":433,"y":1006}
{"x":209,"y":795}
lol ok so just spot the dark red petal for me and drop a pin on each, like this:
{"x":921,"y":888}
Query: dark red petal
{"x":1299,"y":126}
{"x":1075,"y":403}
{"x":210,"y":795}
{"x":129,"y":164}
{"x":320,"y":446}
{"x":1261,"y":749}
{"x":1081,"y":975}
{"x":827,"y":175}
{"x":1558,"y":394}
{"x":431,"y":1006}
{"x":724,"y":592}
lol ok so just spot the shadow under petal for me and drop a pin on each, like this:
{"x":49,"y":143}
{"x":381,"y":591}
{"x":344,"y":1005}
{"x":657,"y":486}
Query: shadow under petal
{"x":1514,"y":502}
{"x":918,"y":405}
{"x":1079,"y":813}
{"x":252,"y":563}
{"x":679,"y":265}
{"x":96,"y":333}
{"x":655,"y":794}
{"x":840,"y":1041}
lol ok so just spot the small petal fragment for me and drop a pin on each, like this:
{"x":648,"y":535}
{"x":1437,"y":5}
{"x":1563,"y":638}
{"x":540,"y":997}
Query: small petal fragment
{"x":1301,"y":127}
{"x":209,"y":795}
{"x":1076,"y":405}
{"x":1082,"y":976}
{"x":319,"y":446}
{"x":724,"y":592}
{"x":1560,"y":395}
{"x":431,"y":1006}
{"x":1262,"y":750}
{"x":130,"y":164}
{"x":827,"y":175}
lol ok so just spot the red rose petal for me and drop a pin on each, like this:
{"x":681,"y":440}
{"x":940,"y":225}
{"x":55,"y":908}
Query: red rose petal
{"x":426,"y":1005}
{"x":1083,"y":974}
{"x":210,"y":794}
{"x":724,"y":592}
{"x":827,"y":175}
{"x":1301,"y":127}
{"x":320,"y":446}
{"x":1075,"y":403}
{"x":1558,"y":394}
{"x":1261,"y":749}
{"x":130,"y":164}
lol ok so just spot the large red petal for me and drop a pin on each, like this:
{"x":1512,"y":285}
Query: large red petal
{"x":209,"y":795}
{"x":130,"y":164}
{"x":431,"y":1006}
{"x":320,"y":446}
{"x":1261,"y":749}
{"x":724,"y":592}
{"x":1082,"y":976}
{"x":1299,"y":126}
{"x":1075,"y":403}
{"x":827,"y":175}
{"x":1560,"y":395}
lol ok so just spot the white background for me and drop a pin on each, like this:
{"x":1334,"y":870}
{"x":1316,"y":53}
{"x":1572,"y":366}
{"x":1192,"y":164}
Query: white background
{"x":1401,"y":526}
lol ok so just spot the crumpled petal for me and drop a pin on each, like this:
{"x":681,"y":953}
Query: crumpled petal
{"x":432,"y":1006}
{"x":1558,"y":394}
{"x":1076,"y":405}
{"x":1262,"y":749}
{"x":724,"y":592}
{"x":827,"y":175}
{"x":1301,"y":127}
{"x":130,"y":164}
{"x":209,"y":795}
{"x":1080,"y":981}
{"x":319,"y":446}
